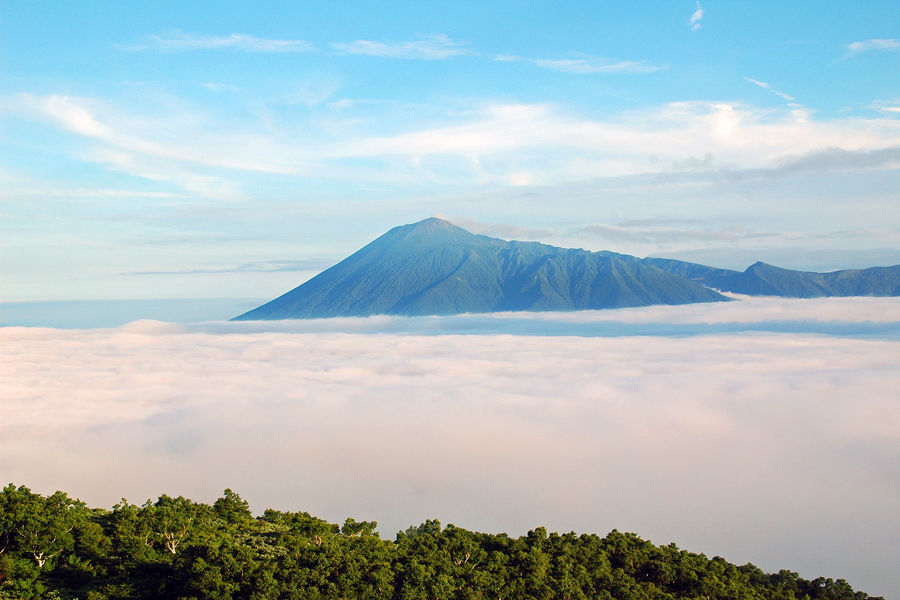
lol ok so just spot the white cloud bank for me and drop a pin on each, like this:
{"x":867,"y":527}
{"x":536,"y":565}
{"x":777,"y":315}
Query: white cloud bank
{"x":771,"y":448}
{"x":492,"y":145}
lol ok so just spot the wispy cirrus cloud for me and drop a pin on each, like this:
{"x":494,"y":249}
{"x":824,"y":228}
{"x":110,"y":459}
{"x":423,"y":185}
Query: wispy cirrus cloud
{"x":738,"y":136}
{"x":436,"y":47}
{"x":156,"y":149}
{"x":620,"y":233}
{"x":884,"y":107}
{"x":655,"y":222}
{"x":768,"y":87}
{"x":178,"y":41}
{"x":696,"y":17}
{"x":82,"y":192}
{"x":585,"y":65}
{"x":268,"y":266}
{"x":505,"y":144}
{"x":150,"y":148}
{"x":874,"y":44}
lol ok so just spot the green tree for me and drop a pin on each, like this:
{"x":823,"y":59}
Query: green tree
{"x":171,"y":520}
{"x":43,"y":525}
{"x":133,"y":539}
{"x":354,"y":528}
{"x":232,"y":509}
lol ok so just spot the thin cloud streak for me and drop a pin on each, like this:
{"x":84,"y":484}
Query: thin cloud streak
{"x":768,"y":87}
{"x":874,"y":44}
{"x":668,"y":236}
{"x":696,"y":17}
{"x":178,"y":41}
{"x":657,"y":221}
{"x":263,"y":267}
{"x":889,"y":108}
{"x":586,"y":66}
{"x":437,"y":47}
{"x":693,"y":440}
{"x":88,"y":193}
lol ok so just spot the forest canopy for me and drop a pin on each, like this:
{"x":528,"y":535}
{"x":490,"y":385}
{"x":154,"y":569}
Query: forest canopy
{"x":57,"y":547}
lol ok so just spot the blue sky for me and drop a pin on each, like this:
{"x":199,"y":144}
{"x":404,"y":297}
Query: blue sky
{"x":172,"y":150}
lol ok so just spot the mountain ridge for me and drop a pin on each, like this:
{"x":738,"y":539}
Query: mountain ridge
{"x":762,"y":279}
{"x":436,"y":268}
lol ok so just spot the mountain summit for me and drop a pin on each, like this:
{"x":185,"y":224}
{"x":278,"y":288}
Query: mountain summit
{"x":436,"y":268}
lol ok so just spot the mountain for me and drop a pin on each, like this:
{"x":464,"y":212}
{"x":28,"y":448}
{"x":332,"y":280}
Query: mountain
{"x":761,"y":279}
{"x":435,"y":268}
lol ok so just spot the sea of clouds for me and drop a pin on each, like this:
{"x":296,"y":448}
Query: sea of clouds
{"x":761,"y":430}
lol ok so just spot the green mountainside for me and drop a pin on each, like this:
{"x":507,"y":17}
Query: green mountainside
{"x":761,"y":279}
{"x":435,"y":268}
{"x":55,"y":547}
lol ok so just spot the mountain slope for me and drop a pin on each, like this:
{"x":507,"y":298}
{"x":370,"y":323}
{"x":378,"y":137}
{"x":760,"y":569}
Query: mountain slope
{"x":761,"y":279}
{"x":435,"y":268}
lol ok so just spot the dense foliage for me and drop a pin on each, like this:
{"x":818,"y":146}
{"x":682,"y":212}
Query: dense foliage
{"x":56,"y":547}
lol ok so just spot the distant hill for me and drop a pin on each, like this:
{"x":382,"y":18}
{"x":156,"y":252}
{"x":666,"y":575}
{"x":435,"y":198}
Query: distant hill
{"x":435,"y":268}
{"x":761,"y":279}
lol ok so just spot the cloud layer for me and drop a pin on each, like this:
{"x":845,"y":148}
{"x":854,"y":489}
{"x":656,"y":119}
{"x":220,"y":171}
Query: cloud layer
{"x":772,"y":448}
{"x":504,"y":144}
